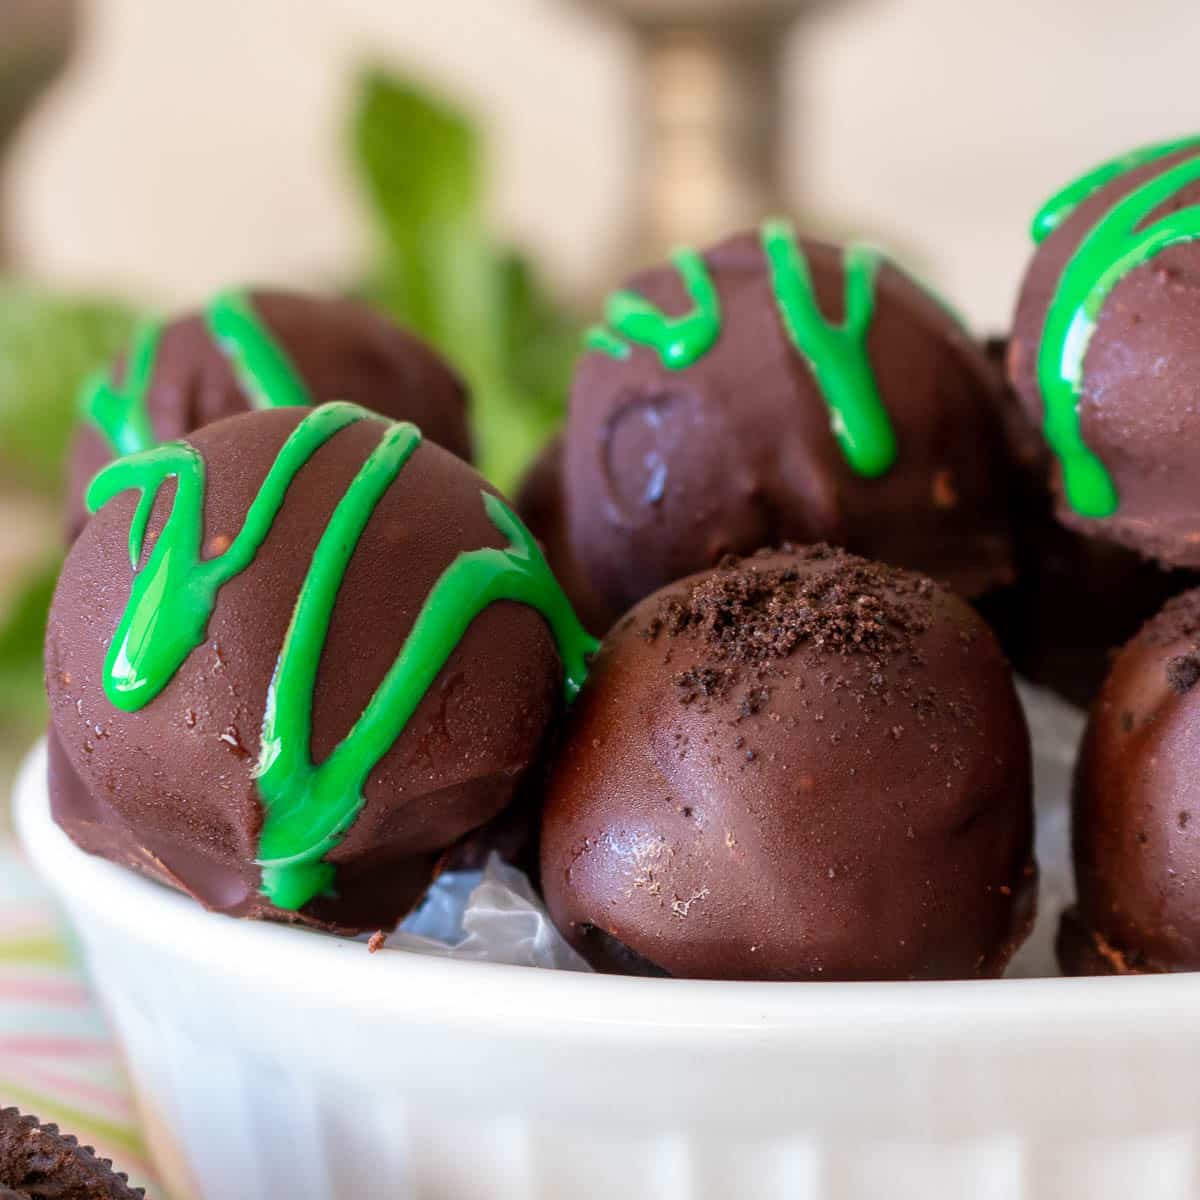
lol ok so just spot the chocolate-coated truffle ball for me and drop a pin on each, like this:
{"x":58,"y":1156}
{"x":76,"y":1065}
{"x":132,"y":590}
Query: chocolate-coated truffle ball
{"x":335,"y":655}
{"x":796,"y":391}
{"x":1077,"y":599}
{"x":539,"y":503}
{"x":1104,"y":353}
{"x":1136,"y":820}
{"x":800,"y":765}
{"x":258,"y":350}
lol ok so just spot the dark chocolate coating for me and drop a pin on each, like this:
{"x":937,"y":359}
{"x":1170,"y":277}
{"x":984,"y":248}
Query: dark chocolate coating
{"x":1077,"y":599}
{"x":1136,"y":819}
{"x":667,"y":471}
{"x":1137,"y":409}
{"x":856,"y":807}
{"x":540,"y":505}
{"x":513,"y":835}
{"x":173,"y":784}
{"x":38,"y":1161}
{"x":342,"y":350}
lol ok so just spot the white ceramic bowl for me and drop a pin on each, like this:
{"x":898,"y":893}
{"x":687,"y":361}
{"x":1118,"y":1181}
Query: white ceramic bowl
{"x":275,"y":1063}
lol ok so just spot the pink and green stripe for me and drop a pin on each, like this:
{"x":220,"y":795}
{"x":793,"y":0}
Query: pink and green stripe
{"x":57,"y":1059}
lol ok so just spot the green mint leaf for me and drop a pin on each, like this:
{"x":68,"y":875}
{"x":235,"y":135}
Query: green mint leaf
{"x":47,"y":346}
{"x":22,"y":632}
{"x":440,"y":272}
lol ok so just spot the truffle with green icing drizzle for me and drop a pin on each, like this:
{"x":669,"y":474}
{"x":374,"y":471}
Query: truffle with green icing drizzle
{"x":774,"y":388}
{"x":259,"y":349}
{"x":294,"y":658}
{"x":1104,"y":353}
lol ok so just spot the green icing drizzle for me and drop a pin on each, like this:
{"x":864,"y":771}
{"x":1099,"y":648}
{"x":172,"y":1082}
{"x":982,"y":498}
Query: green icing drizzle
{"x":1063,"y":203}
{"x":265,"y":372}
{"x":836,"y":354}
{"x":308,"y":807}
{"x":678,"y":341}
{"x":601,"y":338}
{"x":261,"y":366}
{"x":120,"y":412}
{"x":1116,"y":245}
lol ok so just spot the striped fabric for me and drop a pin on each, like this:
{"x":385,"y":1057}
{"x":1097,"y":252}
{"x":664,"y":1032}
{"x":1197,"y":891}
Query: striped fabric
{"x":57,"y":1060}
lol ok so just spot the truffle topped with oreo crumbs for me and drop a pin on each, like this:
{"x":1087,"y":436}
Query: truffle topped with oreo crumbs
{"x":799,"y":765}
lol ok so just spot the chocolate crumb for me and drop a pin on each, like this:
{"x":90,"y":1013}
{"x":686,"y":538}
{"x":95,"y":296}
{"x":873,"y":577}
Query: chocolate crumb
{"x":376,"y":941}
{"x":1178,"y":621}
{"x":748,"y":613}
{"x":707,"y":682}
{"x":1183,"y":672}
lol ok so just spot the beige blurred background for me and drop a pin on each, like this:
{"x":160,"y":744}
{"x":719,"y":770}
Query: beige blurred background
{"x":196,"y":141}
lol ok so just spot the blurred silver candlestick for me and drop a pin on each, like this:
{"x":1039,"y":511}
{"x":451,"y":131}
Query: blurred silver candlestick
{"x":711,"y":114}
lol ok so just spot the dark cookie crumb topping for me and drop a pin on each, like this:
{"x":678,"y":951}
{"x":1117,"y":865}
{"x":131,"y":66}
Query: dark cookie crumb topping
{"x":38,"y":1161}
{"x":749,"y":612}
{"x":1183,"y":672}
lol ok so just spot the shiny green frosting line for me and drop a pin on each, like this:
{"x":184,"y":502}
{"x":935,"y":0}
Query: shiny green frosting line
{"x":173,"y":595}
{"x":602,"y":339}
{"x":309,"y":807}
{"x":119,"y":412}
{"x":1063,"y":203}
{"x":266,"y":374}
{"x":836,"y":354}
{"x":1117,"y":244}
{"x":262,"y":368}
{"x":678,"y":341}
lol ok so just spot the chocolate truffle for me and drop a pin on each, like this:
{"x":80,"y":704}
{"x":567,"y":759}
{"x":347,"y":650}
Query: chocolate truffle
{"x":38,"y":1161}
{"x":264,"y":349}
{"x":1136,"y":819}
{"x":539,"y":504}
{"x":1104,"y":355}
{"x":1077,"y":599}
{"x":801,"y":765}
{"x":336,"y":654}
{"x":776,"y":389}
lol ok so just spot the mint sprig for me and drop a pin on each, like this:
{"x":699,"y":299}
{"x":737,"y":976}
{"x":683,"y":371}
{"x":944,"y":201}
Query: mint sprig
{"x":441,"y":272}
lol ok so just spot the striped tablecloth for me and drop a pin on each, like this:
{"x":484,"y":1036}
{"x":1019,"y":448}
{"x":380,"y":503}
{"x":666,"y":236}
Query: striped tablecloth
{"x":57,"y":1059}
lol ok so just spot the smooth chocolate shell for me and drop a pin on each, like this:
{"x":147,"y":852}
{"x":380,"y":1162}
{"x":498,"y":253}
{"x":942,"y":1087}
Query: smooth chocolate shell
{"x":668,"y":470}
{"x":1137,"y":407}
{"x":1136,"y":816}
{"x":857,"y":807}
{"x":1077,"y":599}
{"x":171,"y":787}
{"x":342,"y":350}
